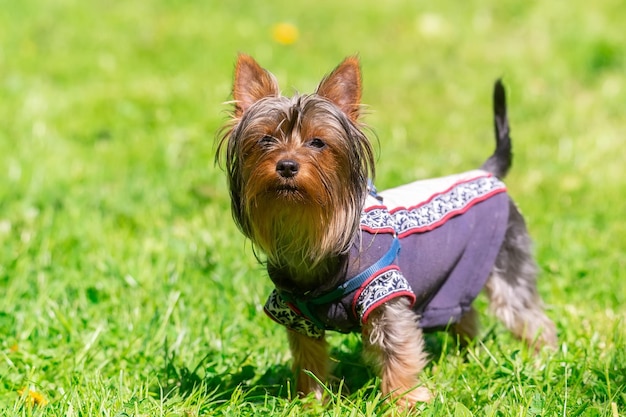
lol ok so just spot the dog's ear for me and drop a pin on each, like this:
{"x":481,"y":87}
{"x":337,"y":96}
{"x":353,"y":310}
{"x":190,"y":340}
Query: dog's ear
{"x":343,"y":87}
{"x":252,"y":83}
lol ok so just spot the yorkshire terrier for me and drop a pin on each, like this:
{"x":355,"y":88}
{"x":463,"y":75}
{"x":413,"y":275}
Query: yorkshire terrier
{"x":345,"y":257}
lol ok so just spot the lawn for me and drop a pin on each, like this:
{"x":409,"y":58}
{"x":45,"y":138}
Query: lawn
{"x":126,"y":289}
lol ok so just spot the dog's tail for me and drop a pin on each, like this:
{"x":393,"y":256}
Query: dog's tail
{"x":500,"y":162}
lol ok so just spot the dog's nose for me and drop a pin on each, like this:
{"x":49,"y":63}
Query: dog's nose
{"x":287,"y":168}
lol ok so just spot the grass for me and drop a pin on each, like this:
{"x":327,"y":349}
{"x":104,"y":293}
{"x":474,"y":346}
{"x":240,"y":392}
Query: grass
{"x":127,"y":290}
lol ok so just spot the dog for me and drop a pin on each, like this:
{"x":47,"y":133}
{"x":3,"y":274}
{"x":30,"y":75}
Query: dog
{"x":345,"y":257}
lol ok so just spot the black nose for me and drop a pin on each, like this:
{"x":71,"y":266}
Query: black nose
{"x":287,"y":168}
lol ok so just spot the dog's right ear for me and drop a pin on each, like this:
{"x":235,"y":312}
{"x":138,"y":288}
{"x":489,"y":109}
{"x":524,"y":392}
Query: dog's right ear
{"x":252,"y":83}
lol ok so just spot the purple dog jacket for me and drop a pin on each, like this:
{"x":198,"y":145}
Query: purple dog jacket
{"x":449,"y":231}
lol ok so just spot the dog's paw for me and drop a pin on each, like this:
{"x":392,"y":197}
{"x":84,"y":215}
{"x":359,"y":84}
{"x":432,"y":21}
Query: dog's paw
{"x":412,"y":398}
{"x":419,"y":395}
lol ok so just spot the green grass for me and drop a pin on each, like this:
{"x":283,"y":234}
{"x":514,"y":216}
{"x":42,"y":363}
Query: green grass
{"x":125,"y":288}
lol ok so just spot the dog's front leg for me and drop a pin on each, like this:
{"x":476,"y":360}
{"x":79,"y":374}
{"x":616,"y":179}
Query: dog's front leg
{"x":311,"y":355}
{"x":393,"y":342}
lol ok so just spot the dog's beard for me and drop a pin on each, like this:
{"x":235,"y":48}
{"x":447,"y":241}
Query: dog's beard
{"x":301,"y":223}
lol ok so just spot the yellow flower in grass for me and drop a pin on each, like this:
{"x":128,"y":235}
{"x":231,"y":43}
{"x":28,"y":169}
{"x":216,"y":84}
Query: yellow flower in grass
{"x":285,"y":33}
{"x":33,"y":397}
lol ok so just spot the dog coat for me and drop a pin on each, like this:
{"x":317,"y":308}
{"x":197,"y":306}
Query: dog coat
{"x":433,"y":241}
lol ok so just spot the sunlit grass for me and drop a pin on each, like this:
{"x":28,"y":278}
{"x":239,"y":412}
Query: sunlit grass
{"x":125,"y":288}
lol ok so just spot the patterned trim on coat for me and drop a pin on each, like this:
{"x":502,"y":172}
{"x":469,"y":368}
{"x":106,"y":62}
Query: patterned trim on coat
{"x":433,"y":212}
{"x":386,"y":284}
{"x":377,"y":219}
{"x":282,"y":313}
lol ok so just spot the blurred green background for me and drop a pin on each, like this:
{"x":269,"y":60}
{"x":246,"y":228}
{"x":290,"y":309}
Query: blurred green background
{"x":122,"y":272}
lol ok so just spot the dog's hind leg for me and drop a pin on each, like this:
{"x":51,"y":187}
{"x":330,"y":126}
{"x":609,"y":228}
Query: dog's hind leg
{"x":512,"y":288}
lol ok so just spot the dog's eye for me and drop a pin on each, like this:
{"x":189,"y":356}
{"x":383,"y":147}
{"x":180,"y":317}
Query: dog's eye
{"x":267,"y":140}
{"x":316,"y":143}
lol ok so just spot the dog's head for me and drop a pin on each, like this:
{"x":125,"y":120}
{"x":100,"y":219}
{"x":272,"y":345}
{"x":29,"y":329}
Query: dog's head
{"x":297,"y":166}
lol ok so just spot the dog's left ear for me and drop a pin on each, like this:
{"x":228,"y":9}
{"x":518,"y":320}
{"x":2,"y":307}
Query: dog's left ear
{"x":343,"y":87}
